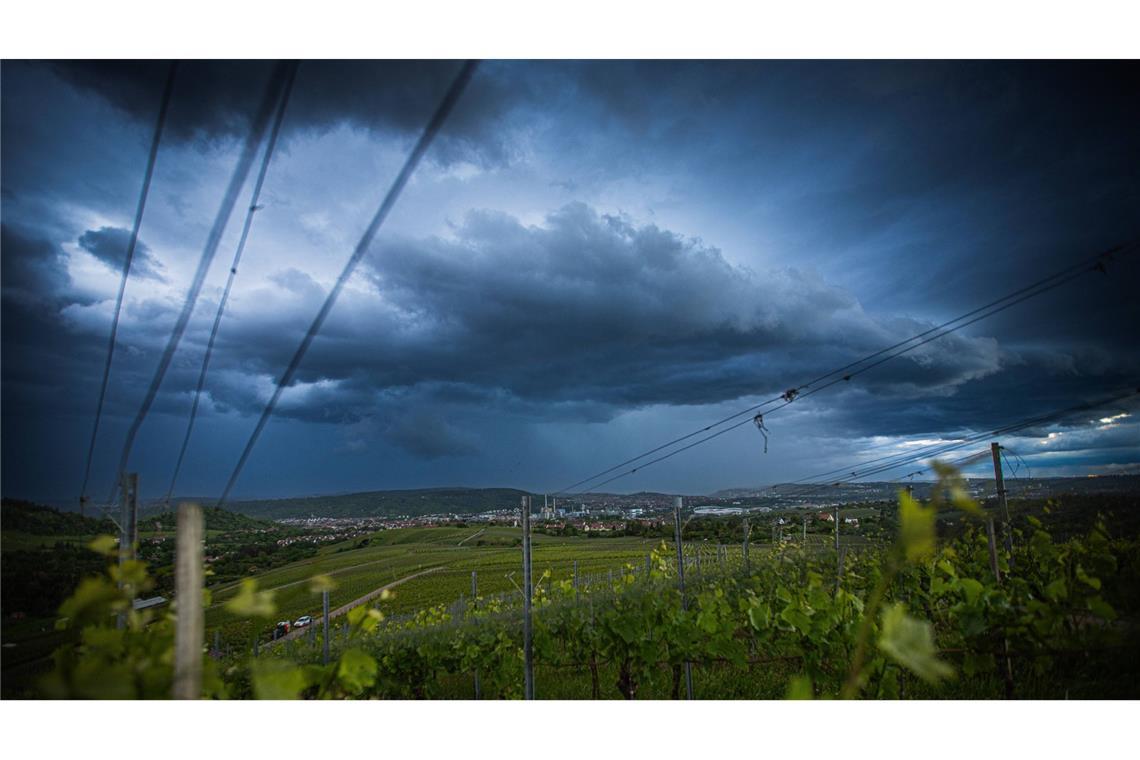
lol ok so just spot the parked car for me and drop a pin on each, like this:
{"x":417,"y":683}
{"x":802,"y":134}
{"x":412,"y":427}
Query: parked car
{"x":303,"y":621}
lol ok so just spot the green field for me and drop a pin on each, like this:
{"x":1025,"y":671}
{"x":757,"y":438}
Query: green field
{"x":390,"y":555}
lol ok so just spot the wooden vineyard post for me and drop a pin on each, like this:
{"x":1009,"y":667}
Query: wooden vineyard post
{"x":190,"y":622}
{"x":678,"y":502}
{"x":575,"y":580}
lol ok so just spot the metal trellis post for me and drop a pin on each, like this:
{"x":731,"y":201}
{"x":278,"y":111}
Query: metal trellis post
{"x":678,"y":502}
{"x":747,"y":535}
{"x":528,"y":644}
{"x":992,"y":540}
{"x":995,"y":450}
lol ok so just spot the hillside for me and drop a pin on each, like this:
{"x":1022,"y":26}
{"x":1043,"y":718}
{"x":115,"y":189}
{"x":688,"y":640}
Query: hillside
{"x":28,"y":517}
{"x":409,"y":503}
{"x":215,"y":519}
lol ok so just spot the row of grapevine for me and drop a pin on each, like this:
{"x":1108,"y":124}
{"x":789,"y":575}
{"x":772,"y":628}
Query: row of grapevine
{"x":922,"y":616}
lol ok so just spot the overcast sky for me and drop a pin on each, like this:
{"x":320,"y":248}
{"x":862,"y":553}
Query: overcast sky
{"x":592,"y":259}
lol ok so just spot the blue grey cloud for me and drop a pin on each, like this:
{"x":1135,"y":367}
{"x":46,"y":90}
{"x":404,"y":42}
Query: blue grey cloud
{"x":110,"y":245}
{"x":597,"y":256}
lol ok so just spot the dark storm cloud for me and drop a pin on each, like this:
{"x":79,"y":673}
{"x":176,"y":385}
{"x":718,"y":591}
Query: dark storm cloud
{"x":856,"y":204}
{"x":43,"y":358}
{"x":587,"y":309}
{"x":109,"y":245}
{"x":1019,"y":393}
{"x":429,"y":436}
{"x":213,"y":99}
{"x":33,"y":268}
{"x":925,"y":179}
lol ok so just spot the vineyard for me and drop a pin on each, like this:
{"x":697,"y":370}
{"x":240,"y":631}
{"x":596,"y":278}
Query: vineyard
{"x":937,"y":609}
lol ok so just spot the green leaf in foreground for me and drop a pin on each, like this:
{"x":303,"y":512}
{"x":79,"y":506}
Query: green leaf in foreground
{"x":910,"y":643}
{"x":249,"y":602}
{"x":916,"y":528}
{"x":108,"y":546}
{"x":799,"y":688}
{"x":356,"y":671}
{"x":277,"y":679}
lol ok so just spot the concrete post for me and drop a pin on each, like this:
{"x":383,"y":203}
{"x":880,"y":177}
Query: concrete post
{"x":190,"y":622}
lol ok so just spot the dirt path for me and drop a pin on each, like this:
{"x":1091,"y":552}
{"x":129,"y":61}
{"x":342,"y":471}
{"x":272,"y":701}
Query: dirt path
{"x":474,"y":535}
{"x":297,"y":632}
{"x":338,"y":571}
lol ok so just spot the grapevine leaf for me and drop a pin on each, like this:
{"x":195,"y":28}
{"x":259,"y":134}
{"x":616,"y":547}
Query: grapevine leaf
{"x":356,"y":671}
{"x":759,"y":615}
{"x":94,"y":599}
{"x":277,"y":679}
{"x":961,"y":500}
{"x":105,"y":545}
{"x":356,"y":615}
{"x":799,"y":688}
{"x":1087,"y":579}
{"x":916,"y":527}
{"x":971,"y":588}
{"x":796,"y":617}
{"x":249,"y":602}
{"x":321,"y":583}
{"x":910,"y":642}
{"x":1101,"y":608}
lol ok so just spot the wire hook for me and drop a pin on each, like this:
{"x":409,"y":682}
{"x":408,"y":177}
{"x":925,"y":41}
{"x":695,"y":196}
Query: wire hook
{"x":759,"y":421}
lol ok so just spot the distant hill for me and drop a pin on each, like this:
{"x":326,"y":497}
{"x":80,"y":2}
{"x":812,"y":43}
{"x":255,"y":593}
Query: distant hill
{"x":414,"y":502}
{"x":214,"y":518}
{"x":29,"y":517}
{"x":38,"y":520}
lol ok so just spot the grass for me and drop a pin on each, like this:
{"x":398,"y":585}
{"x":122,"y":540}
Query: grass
{"x":394,"y":554}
